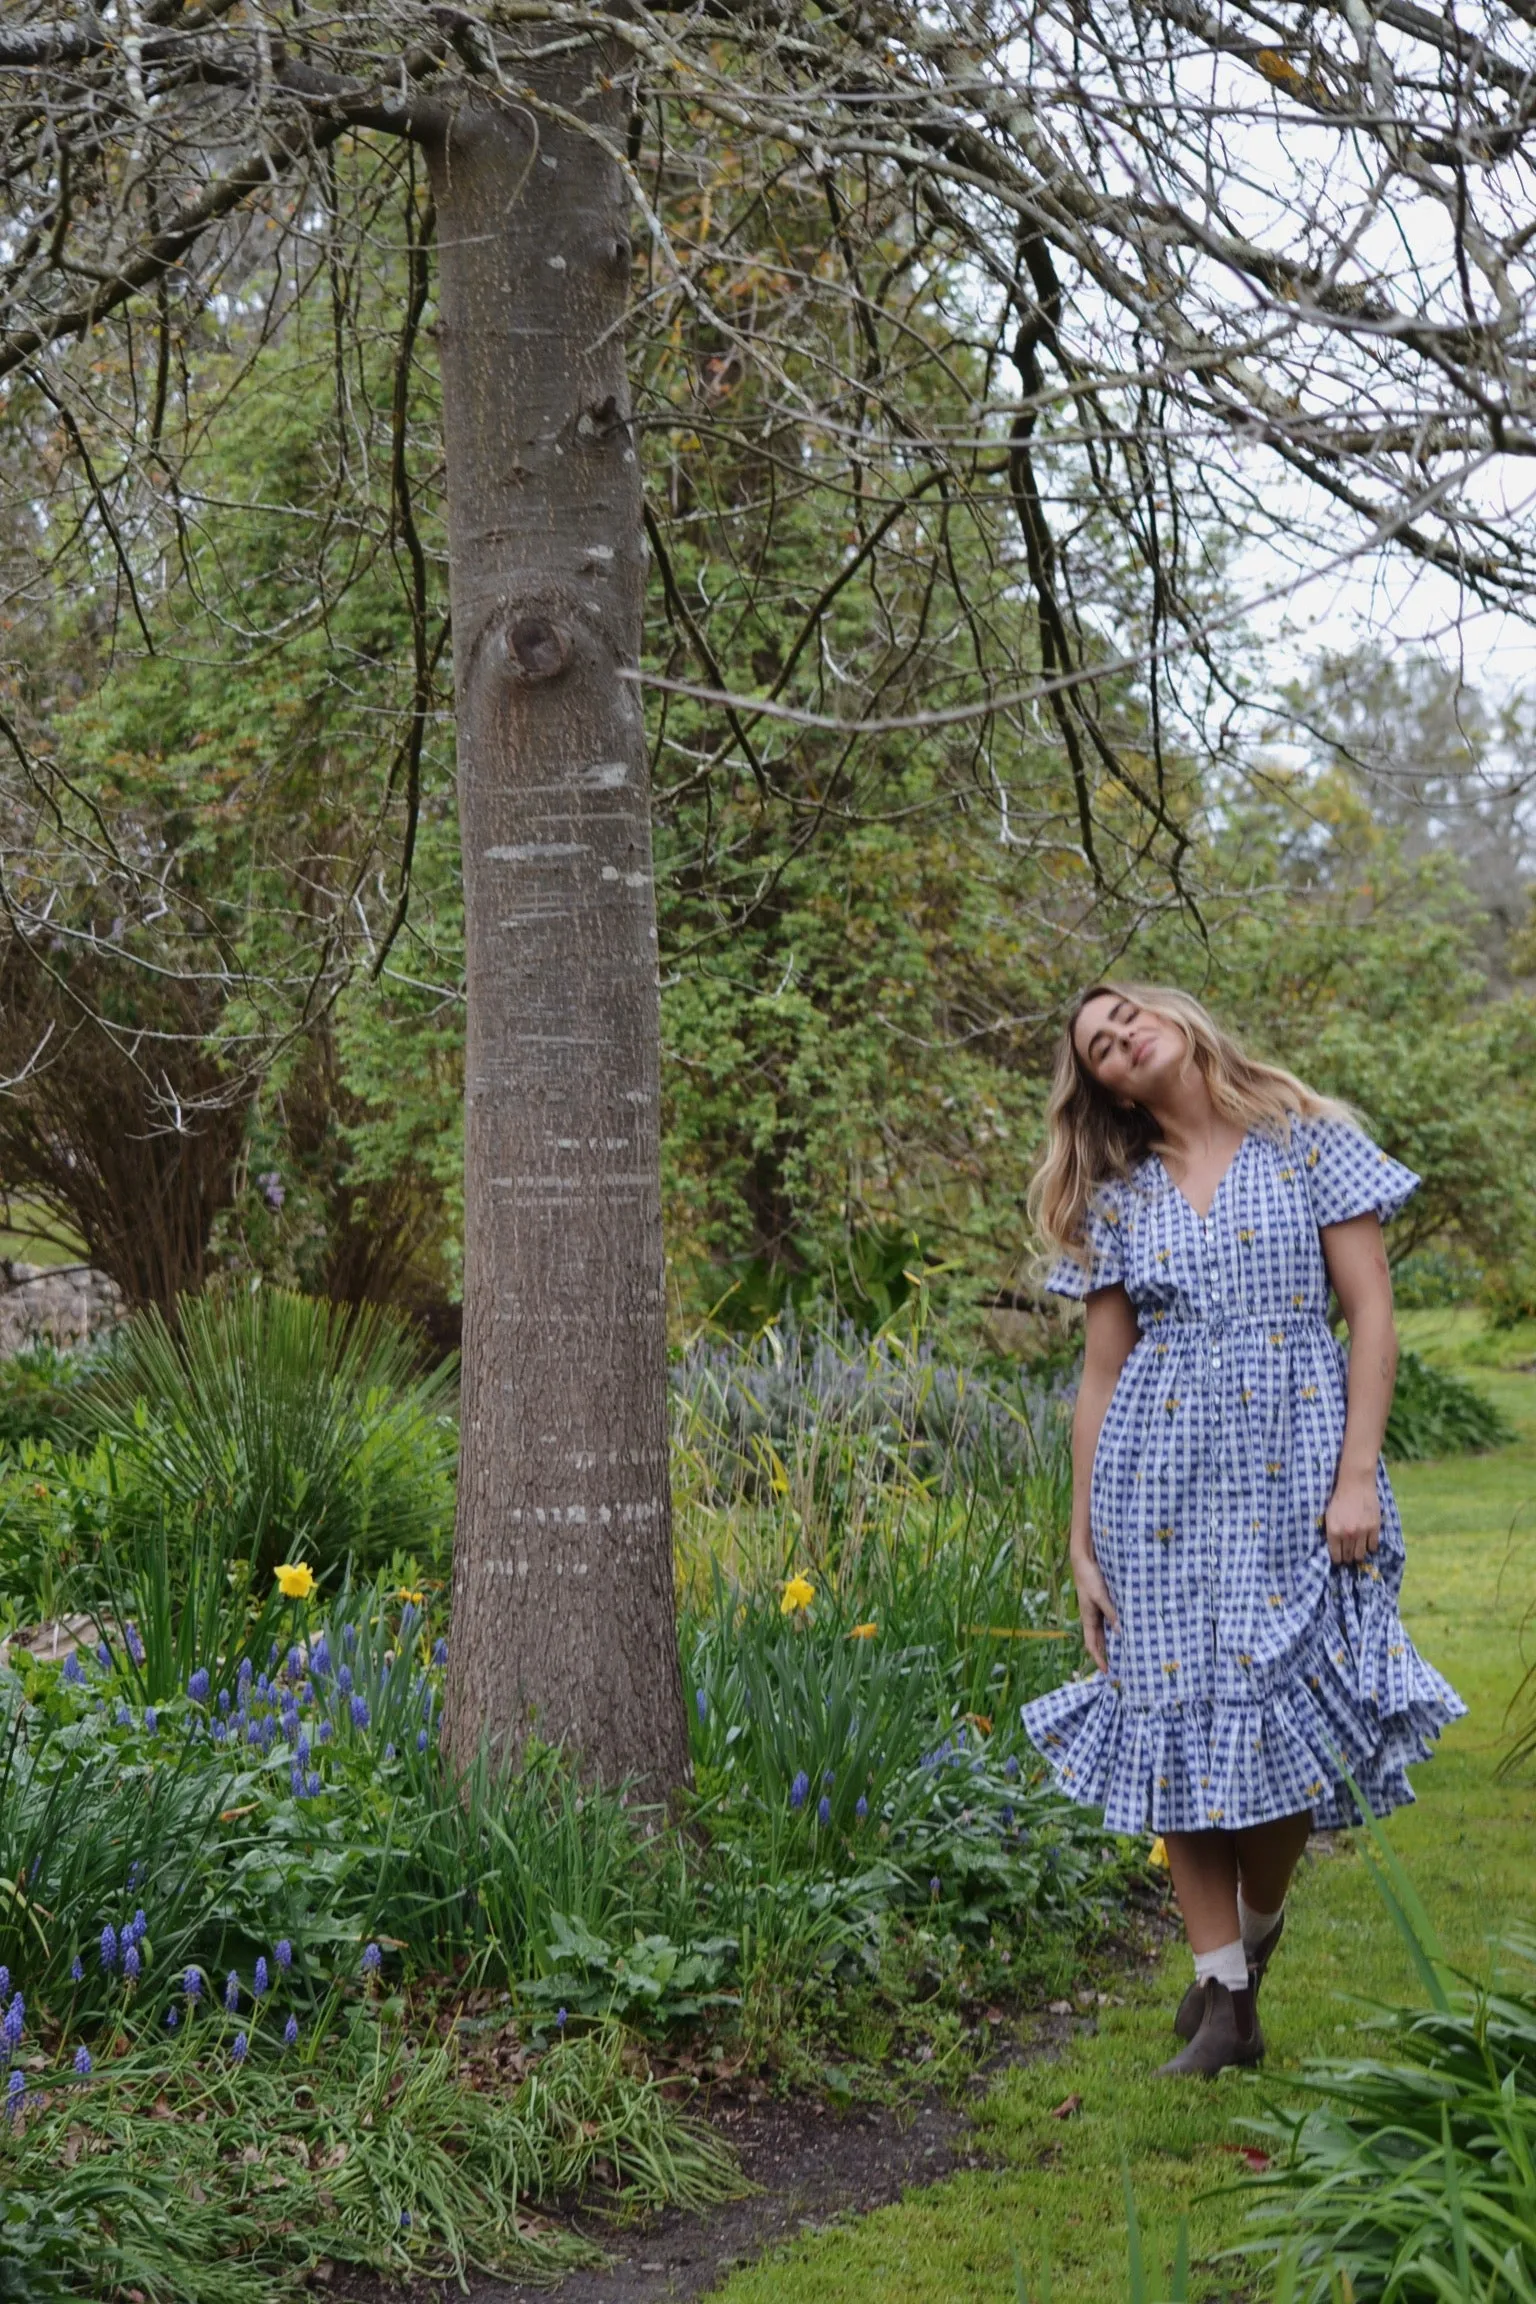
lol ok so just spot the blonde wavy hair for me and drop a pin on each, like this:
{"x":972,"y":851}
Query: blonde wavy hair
{"x":1091,"y":1138}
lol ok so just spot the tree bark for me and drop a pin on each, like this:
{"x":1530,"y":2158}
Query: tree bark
{"x":563,"y":1610}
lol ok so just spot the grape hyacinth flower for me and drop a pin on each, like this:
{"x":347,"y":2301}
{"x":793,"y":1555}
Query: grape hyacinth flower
{"x":134,"y":1644}
{"x":151,"y":1721}
{"x":272,"y":1657}
{"x":799,"y":1789}
{"x":389,"y":1751}
{"x":261,"y":1979}
{"x":5,"y":1981}
{"x":253,"y":1732}
{"x":109,"y":1947}
{"x":171,"y":2018}
{"x":14,"y":2023}
{"x":224,"y":1699}
{"x":560,"y":2019}
{"x":131,"y":1964}
{"x":349,"y":1637}
{"x":439,"y":1653}
{"x":344,"y":1677}
{"x":74,"y":1673}
{"x":824,"y":1810}
{"x":933,"y":1887}
{"x":320,"y":1657}
{"x":238,"y":2048}
{"x":1011,"y":1765}
{"x":83,"y":2062}
{"x":15,"y":2090}
{"x":231,"y":1992}
{"x":291,"y":1728}
{"x":295,"y":1663}
{"x":123,"y":1716}
{"x":701,"y":1703}
{"x":301,"y":1751}
{"x":77,"y":1970}
{"x":263,"y":1686}
{"x":103,"y":1655}
{"x":197,"y":1685}
{"x":359,"y":1710}
{"x":422,"y":1739}
{"x":192,"y":1984}
{"x":296,"y":1783}
{"x":861,"y":1807}
{"x":312,"y":1785}
{"x":244,"y":1675}
{"x":373,"y":1959}
{"x":324,"y":1732}
{"x":291,"y":2033}
{"x":220,"y":1732}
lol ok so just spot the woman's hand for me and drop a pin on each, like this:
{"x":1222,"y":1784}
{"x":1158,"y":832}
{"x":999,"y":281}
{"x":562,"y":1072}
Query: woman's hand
{"x":1094,"y":1605}
{"x":1352,"y":1522}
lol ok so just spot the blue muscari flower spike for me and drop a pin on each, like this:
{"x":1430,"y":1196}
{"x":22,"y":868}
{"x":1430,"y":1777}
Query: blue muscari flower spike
{"x":359,"y":1711}
{"x":243,"y":1676}
{"x":14,"y":2023}
{"x":799,"y":1789}
{"x":320,"y":1657}
{"x":77,"y":1970}
{"x":324,"y":1732}
{"x":131,"y":1964}
{"x":861,"y":1807}
{"x":291,"y":2033}
{"x":439,"y":1652}
{"x":312,"y":1785}
{"x":701,"y":1703}
{"x":296,"y":1782}
{"x":151,"y":1721}
{"x":123,"y":1716}
{"x":231,"y":1991}
{"x":933,"y":1887}
{"x":1007,"y":1818}
{"x":220,"y":1732}
{"x":389,"y":1751}
{"x":83,"y":2062}
{"x":823,"y":1810}
{"x":192,"y":1984}
{"x":272,"y":1657}
{"x":224,"y":1699}
{"x":260,"y":1980}
{"x":15,"y":2089}
{"x":344,"y":1679}
{"x":295,"y":1664}
{"x":171,"y":2018}
{"x":373,"y":1959}
{"x":263,"y":1685}
{"x":422,"y":1739}
{"x":560,"y":2019}
{"x":139,"y":1924}
{"x":197,"y":1685}
{"x":134,"y":1644}
{"x":1011,"y":1765}
{"x":282,"y":1953}
{"x":349,"y":1637}
{"x":291,"y":1728}
{"x":103,"y":1655}
{"x":5,"y":1981}
{"x":109,"y":1946}
{"x":73,"y":1671}
{"x":253,"y":1731}
{"x":428,"y":1702}
{"x":301,"y":1752}
{"x":238,"y":2048}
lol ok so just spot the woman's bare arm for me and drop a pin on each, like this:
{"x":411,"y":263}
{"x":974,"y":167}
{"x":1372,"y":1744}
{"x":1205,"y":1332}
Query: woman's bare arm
{"x":1111,"y":1337}
{"x":1357,"y":1265}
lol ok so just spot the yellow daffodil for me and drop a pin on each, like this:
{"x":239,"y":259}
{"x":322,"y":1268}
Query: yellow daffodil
{"x":863,"y":1631}
{"x":295,"y":1581}
{"x":412,"y":1599}
{"x":798,"y":1593}
{"x":1158,"y":1856}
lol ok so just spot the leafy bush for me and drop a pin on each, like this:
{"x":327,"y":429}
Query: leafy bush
{"x":47,"y":1395}
{"x":1413,"y":2175}
{"x":220,"y":2169}
{"x":1437,"y":1414}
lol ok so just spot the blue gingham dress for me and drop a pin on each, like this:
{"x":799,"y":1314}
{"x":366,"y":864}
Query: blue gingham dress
{"x":1245,"y":1665}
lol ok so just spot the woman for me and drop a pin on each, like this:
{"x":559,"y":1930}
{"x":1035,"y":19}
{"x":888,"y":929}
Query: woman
{"x":1235,"y":1544}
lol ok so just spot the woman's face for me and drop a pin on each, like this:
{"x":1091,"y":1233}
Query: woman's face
{"x":1131,"y":1053}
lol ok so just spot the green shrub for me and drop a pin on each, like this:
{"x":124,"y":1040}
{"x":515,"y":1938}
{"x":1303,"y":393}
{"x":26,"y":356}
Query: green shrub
{"x":1437,"y":1414}
{"x":294,"y":1429}
{"x":47,"y":1395}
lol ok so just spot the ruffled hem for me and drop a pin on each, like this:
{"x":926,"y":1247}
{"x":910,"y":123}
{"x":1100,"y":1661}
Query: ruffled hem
{"x":1368,"y":1704}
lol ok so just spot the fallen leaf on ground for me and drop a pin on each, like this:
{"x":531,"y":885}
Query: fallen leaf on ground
{"x":1065,"y":2109}
{"x":1249,"y":2152}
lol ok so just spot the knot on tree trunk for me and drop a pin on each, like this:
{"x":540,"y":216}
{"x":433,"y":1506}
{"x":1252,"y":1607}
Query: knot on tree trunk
{"x":537,"y":648}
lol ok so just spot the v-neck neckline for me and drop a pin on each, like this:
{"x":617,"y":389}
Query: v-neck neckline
{"x":1221,"y":1181}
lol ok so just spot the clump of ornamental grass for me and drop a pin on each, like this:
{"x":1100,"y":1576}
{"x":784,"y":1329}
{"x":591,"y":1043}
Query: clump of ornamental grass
{"x":1410,"y":2177}
{"x":226,"y":2168}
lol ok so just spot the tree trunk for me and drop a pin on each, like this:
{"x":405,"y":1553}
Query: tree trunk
{"x":563,"y":1613}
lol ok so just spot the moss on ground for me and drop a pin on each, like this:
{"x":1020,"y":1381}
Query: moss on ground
{"x":1470,"y":1845}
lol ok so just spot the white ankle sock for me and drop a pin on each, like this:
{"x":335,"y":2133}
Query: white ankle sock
{"x":1254,"y":1925}
{"x":1228,"y":1964}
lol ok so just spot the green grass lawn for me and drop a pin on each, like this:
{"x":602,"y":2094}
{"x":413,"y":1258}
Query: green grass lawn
{"x":1470,"y":1846}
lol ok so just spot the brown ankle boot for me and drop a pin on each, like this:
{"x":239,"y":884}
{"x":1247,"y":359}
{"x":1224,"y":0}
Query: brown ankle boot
{"x":1228,"y":2034}
{"x":1192,"y":2007}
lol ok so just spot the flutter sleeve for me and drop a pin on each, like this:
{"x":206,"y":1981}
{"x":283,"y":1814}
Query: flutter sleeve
{"x":1102,"y":1230}
{"x":1348,"y":1175}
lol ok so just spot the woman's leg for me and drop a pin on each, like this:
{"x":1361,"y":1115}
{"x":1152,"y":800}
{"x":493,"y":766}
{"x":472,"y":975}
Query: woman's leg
{"x":1267,"y":1855}
{"x":1204,"y":1868}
